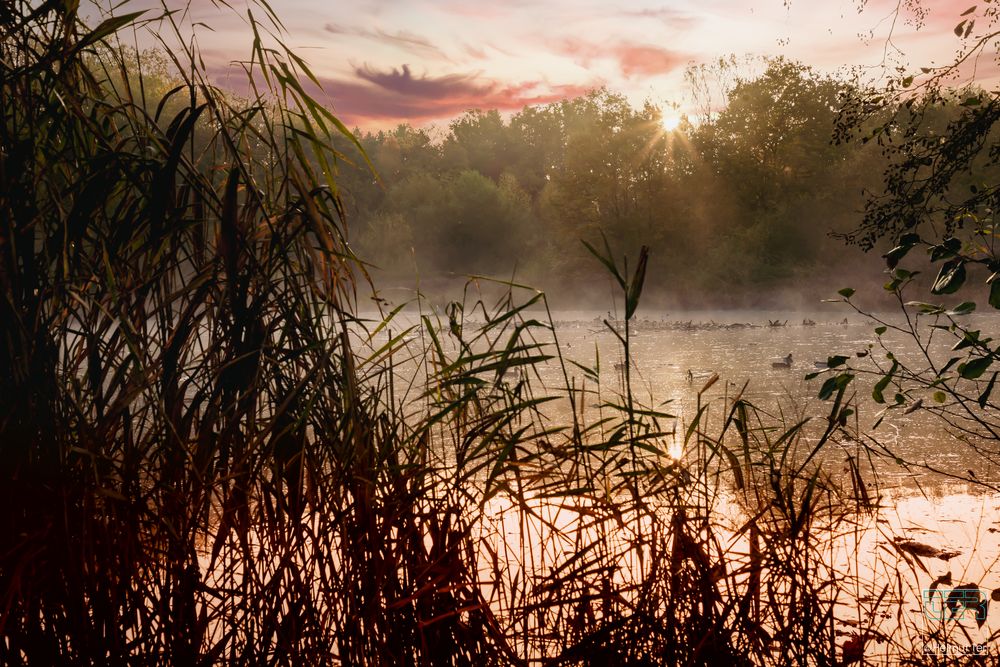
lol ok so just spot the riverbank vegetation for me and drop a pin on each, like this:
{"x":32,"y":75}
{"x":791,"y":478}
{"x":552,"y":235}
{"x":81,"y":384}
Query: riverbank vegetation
{"x":210,"y":457}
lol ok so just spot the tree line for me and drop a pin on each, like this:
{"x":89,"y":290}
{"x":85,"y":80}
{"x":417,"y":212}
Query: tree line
{"x":737,"y":206}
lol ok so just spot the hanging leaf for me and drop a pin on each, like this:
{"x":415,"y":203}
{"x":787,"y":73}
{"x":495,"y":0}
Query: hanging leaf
{"x":985,"y":396}
{"x":969,"y":339}
{"x":883,"y":383}
{"x":974,"y":368}
{"x":834,"y":361}
{"x":837,"y":383}
{"x":905,"y":245}
{"x":995,"y":293}
{"x":950,"y":278}
{"x":963,"y":308}
{"x":899,"y":277}
{"x":926,"y":308}
{"x":946,"y":249}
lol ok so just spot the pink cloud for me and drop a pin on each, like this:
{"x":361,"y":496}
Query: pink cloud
{"x":647,"y":60}
{"x":398,"y":96}
{"x":376,"y":98}
{"x":477,"y":53}
{"x":379,"y":98}
{"x":632,"y":59}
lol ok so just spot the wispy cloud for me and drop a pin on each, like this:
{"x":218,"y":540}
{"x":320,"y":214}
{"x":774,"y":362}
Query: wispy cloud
{"x":675,"y":18}
{"x":481,"y":10}
{"x":403,"y":39}
{"x":477,"y":53}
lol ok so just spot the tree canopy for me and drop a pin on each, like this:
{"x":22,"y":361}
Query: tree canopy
{"x":752,"y":191}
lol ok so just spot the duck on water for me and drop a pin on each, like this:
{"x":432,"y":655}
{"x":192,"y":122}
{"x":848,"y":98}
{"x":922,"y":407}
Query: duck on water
{"x":785,"y":362}
{"x":693,"y":375}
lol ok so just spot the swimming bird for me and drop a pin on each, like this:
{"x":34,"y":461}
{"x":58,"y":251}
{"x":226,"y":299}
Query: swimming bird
{"x":783,"y":363}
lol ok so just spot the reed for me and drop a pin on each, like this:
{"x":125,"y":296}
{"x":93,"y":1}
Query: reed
{"x":210,"y":457}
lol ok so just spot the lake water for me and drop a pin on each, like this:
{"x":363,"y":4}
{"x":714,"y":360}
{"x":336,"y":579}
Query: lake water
{"x":674,"y":355}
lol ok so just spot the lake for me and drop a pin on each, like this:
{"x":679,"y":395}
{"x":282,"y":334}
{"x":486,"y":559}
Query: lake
{"x":673,"y":355}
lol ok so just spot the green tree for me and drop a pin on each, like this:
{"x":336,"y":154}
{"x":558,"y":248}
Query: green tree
{"x":478,"y":141}
{"x":941,"y":188}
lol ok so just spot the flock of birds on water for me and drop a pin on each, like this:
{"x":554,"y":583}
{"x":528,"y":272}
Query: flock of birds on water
{"x":785,"y":362}
{"x":638,"y":325}
{"x":644,"y":324}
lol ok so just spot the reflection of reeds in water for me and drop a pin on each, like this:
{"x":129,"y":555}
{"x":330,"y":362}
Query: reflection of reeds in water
{"x":202,"y":464}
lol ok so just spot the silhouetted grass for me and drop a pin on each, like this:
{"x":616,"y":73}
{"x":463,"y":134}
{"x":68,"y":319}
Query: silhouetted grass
{"x":209,"y":458}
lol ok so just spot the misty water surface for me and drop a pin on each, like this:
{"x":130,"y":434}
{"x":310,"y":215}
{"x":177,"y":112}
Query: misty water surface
{"x":664,"y":350}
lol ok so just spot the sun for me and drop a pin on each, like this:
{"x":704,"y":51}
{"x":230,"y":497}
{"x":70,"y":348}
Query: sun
{"x":671,"y":123}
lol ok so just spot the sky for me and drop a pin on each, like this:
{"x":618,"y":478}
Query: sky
{"x":424,"y":62}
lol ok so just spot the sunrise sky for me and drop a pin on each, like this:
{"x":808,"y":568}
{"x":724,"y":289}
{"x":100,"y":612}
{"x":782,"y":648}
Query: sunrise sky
{"x":384,"y":62}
